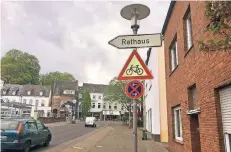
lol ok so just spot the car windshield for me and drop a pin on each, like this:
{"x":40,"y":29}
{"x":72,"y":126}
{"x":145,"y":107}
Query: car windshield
{"x":9,"y":125}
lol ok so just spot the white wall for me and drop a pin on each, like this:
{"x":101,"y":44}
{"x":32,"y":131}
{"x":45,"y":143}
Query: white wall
{"x":152,"y":92}
{"x":20,"y":99}
{"x":96,"y":101}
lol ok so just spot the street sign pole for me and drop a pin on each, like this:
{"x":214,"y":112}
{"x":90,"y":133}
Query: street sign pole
{"x":134,"y":13}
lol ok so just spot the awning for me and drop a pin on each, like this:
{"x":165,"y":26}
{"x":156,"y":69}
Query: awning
{"x":115,"y":113}
{"x":16,"y":105}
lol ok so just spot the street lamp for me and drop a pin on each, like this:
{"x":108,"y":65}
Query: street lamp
{"x":135,"y":13}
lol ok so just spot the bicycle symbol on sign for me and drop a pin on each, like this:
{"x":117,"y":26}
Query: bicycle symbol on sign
{"x":135,"y":69}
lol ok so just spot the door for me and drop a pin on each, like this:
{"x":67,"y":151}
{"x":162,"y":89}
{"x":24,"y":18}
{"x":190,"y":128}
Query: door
{"x":195,"y":133}
{"x":43,"y":132}
{"x":33,"y":133}
{"x":225,"y":101}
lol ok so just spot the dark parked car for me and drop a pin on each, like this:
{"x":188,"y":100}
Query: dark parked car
{"x":22,"y":134}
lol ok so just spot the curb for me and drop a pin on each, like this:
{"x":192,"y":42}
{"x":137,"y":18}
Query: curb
{"x":67,"y":144}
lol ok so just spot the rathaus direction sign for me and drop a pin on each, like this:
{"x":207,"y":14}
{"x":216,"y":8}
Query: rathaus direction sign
{"x":137,"y":41}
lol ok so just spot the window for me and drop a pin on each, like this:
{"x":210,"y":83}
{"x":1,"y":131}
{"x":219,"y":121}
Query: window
{"x":24,"y":101}
{"x":188,"y":29}
{"x":32,"y":126}
{"x":122,"y":108}
{"x":31,"y":102}
{"x":177,"y":123}
{"x":99,"y":105}
{"x":68,"y":92}
{"x":174,"y":56}
{"x":93,"y":105}
{"x":43,"y":103}
{"x":93,"y":96}
{"x":4,"y":92}
{"x":192,"y":97}
{"x":41,"y":93}
{"x":36,"y":103}
{"x":99,"y":97}
{"x":104,"y":106}
{"x":28,"y":92}
{"x":39,"y":125}
{"x":109,"y":106}
{"x":13,"y":93}
{"x":115,"y":106}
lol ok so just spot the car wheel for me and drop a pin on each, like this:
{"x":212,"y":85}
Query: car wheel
{"x":26,"y":147}
{"x":47,"y":142}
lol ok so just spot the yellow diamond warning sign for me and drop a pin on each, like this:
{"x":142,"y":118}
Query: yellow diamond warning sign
{"x":134,"y":68}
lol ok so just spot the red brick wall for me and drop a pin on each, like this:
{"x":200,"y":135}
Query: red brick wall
{"x":207,"y":70}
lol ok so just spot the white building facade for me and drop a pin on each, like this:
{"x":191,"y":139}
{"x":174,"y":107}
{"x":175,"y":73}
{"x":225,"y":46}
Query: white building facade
{"x":25,"y":99}
{"x":101,"y":109}
{"x":152,"y":98}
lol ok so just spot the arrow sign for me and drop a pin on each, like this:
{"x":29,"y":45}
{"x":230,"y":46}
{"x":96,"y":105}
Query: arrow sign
{"x":136,"y":41}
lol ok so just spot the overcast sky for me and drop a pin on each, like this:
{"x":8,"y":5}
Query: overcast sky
{"x":72,"y":36}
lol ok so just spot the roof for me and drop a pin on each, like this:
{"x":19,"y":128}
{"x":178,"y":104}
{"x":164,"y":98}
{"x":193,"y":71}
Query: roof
{"x":95,"y":88}
{"x":21,"y":90}
{"x":61,"y":85}
{"x":170,"y":9}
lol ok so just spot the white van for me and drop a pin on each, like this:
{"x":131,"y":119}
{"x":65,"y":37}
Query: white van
{"x":90,"y":121}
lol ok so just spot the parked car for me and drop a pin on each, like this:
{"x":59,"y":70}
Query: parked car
{"x":22,"y":134}
{"x":90,"y":121}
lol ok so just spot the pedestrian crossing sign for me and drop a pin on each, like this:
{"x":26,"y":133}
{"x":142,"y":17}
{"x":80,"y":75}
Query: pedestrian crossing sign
{"x":135,"y":68}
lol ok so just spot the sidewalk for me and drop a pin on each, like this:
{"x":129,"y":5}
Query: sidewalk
{"x":56,"y":124}
{"x":114,"y":138}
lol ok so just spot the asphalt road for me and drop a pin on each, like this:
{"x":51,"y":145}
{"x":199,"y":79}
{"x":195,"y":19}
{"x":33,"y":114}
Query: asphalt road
{"x":62,"y":134}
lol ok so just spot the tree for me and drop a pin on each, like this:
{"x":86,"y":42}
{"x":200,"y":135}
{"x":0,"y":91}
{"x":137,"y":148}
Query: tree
{"x":115,"y":93}
{"x":19,"y":67}
{"x":86,"y":103}
{"x":49,"y":78}
{"x":219,"y":16}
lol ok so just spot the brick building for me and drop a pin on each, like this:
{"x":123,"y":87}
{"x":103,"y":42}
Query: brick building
{"x":197,"y":83}
{"x":64,"y":94}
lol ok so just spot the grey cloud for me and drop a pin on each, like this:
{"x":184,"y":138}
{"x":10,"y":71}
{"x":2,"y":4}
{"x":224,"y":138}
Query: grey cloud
{"x":56,"y":32}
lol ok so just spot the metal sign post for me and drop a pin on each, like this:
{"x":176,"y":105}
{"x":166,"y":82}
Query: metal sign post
{"x":134,"y":13}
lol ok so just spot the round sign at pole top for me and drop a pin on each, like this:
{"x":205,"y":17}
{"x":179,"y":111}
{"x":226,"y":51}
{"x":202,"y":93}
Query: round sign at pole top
{"x":134,"y":89}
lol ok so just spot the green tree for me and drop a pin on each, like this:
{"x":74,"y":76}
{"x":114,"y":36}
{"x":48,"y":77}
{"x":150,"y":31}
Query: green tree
{"x":219,"y":17}
{"x":19,"y":67}
{"x":115,"y":92}
{"x":49,"y":78}
{"x":86,"y":103}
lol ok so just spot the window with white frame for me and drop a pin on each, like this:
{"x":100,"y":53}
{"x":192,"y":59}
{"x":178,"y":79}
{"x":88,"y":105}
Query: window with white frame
{"x":24,"y":101}
{"x":69,"y":92}
{"x":41,"y":93}
{"x":28,"y":92}
{"x":188,"y":29}
{"x":31,"y":102}
{"x":115,"y":106}
{"x":99,"y":97}
{"x":99,"y":105}
{"x":174,"y":56}
{"x":4,"y":92}
{"x":109,"y":106}
{"x":93,"y":105}
{"x":43,"y":103}
{"x":177,"y":123}
{"x":104,"y":106}
{"x":36,"y":103}
{"x":93,"y":97}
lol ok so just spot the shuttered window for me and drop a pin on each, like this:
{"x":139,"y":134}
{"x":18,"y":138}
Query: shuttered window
{"x":225,"y":99}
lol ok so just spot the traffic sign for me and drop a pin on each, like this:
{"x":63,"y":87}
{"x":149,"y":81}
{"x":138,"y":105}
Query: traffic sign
{"x":135,"y":68}
{"x":134,"y":89}
{"x":137,"y":41}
